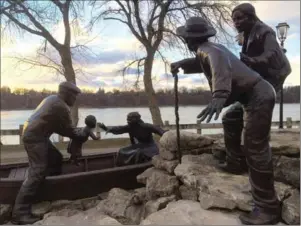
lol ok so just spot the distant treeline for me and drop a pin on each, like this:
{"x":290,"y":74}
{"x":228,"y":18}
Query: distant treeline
{"x":29,"y":99}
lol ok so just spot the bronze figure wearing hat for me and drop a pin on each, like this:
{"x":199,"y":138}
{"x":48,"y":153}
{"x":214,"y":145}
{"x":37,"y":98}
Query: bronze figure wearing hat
{"x":51,"y":116}
{"x":232,"y":81}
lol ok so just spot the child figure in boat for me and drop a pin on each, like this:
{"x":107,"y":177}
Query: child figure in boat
{"x":75,"y":146}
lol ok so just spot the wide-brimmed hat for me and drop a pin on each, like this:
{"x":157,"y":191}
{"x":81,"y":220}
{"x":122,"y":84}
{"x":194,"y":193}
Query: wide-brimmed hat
{"x":196,"y":27}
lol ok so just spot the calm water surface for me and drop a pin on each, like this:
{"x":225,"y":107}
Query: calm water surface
{"x":117,"y":116}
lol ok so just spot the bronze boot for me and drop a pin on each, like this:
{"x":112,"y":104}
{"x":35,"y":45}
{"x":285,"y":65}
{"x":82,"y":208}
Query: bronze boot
{"x":259,"y":216}
{"x":25,"y":219}
{"x":237,"y":167}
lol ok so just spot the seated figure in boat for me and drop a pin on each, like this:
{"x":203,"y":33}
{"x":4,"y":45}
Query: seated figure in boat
{"x":51,"y":116}
{"x":143,"y":146}
{"x":75,"y":145}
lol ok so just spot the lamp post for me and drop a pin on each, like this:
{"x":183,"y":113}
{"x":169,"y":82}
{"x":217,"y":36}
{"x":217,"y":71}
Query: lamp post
{"x":282,"y":29}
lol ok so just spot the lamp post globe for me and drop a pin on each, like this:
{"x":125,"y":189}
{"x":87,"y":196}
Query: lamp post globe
{"x":282,"y":29}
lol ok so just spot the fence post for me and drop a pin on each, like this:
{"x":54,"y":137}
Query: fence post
{"x":20,"y":134}
{"x":97,"y":129}
{"x":289,"y":122}
{"x":61,"y":139}
{"x":199,"y":127}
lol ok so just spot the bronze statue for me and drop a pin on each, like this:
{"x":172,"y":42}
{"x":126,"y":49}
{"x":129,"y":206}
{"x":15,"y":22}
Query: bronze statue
{"x":51,"y":116}
{"x":143,"y":146}
{"x":230,"y":81}
{"x":75,"y":146}
{"x":262,"y":53}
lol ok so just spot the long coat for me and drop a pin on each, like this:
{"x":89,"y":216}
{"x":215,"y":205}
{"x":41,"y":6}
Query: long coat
{"x":51,"y":116}
{"x":228,"y":77}
{"x":270,"y":60}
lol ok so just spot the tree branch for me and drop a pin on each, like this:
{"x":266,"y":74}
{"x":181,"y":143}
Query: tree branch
{"x":21,"y":25}
{"x":65,"y":12}
{"x":113,"y":18}
{"x":45,"y":32}
{"x":58,"y":4}
{"x":138,"y":19}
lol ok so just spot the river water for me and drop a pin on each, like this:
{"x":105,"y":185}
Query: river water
{"x":117,"y":116}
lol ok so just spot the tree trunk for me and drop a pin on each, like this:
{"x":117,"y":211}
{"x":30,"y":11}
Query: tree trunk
{"x":69,"y":74}
{"x":149,"y":89}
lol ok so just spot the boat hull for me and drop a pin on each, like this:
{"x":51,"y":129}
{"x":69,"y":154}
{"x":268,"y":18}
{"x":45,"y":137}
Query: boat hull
{"x":77,"y":185}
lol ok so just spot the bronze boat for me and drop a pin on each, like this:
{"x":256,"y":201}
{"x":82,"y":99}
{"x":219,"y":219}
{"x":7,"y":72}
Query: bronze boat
{"x":96,"y":174}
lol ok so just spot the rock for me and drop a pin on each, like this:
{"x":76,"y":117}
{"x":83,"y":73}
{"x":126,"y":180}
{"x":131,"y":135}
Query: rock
{"x":156,"y":205}
{"x":141,"y":178}
{"x":193,"y":166}
{"x":62,"y":213}
{"x":187,"y":212}
{"x":60,"y":203}
{"x":161,"y":184}
{"x":5,"y":212}
{"x":167,"y":155}
{"x":98,"y":219}
{"x":100,"y":206}
{"x":80,"y":219}
{"x":188,"y":140}
{"x":218,"y":189}
{"x":89,"y":203}
{"x":53,"y":220}
{"x":139,"y":195}
{"x":285,"y":142}
{"x":291,"y":209}
{"x":41,"y":208}
{"x":189,"y":193}
{"x":166,"y":165}
{"x":287,"y":170}
{"x":120,"y":205}
{"x":103,"y":196}
{"x":64,"y":208}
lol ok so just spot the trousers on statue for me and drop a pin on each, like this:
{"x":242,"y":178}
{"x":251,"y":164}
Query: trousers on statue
{"x":255,"y":117}
{"x":44,"y":159}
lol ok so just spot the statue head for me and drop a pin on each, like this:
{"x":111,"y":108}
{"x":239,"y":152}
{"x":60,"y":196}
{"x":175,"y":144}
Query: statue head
{"x":196,"y":31}
{"x":244,"y":17}
{"x":133,"y":118}
{"x":68,"y":92}
{"x":90,"y":121}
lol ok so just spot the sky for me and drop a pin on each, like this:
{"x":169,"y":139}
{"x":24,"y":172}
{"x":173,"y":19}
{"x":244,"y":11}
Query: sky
{"x":112,"y":46}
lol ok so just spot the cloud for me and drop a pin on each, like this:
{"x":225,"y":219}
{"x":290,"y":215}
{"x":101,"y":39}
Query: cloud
{"x":294,"y":78}
{"x":277,"y":10}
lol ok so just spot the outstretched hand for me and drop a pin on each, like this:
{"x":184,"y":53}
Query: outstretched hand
{"x":174,"y":68}
{"x":101,"y":125}
{"x":215,"y":106}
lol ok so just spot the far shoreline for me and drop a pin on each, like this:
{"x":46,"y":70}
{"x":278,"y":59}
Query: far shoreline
{"x":143,"y":106}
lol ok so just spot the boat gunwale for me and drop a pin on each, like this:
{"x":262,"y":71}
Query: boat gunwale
{"x":80,"y":174}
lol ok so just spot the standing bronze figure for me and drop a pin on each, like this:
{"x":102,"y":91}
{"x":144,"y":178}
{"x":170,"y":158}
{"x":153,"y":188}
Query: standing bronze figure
{"x":51,"y":116}
{"x":230,"y":81}
{"x":143,"y":146}
{"x":262,"y":53}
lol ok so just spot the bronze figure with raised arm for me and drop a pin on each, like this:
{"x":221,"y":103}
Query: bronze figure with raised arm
{"x":143,"y":146}
{"x":233,"y":81}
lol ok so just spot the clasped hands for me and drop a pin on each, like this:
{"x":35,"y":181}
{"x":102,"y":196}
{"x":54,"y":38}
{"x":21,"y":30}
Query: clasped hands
{"x":246,"y":59}
{"x":214,"y":107}
{"x":103,"y":126}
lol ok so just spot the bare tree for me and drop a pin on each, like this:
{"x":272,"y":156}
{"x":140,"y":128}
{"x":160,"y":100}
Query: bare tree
{"x":153,"y":23}
{"x":38,"y":17}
